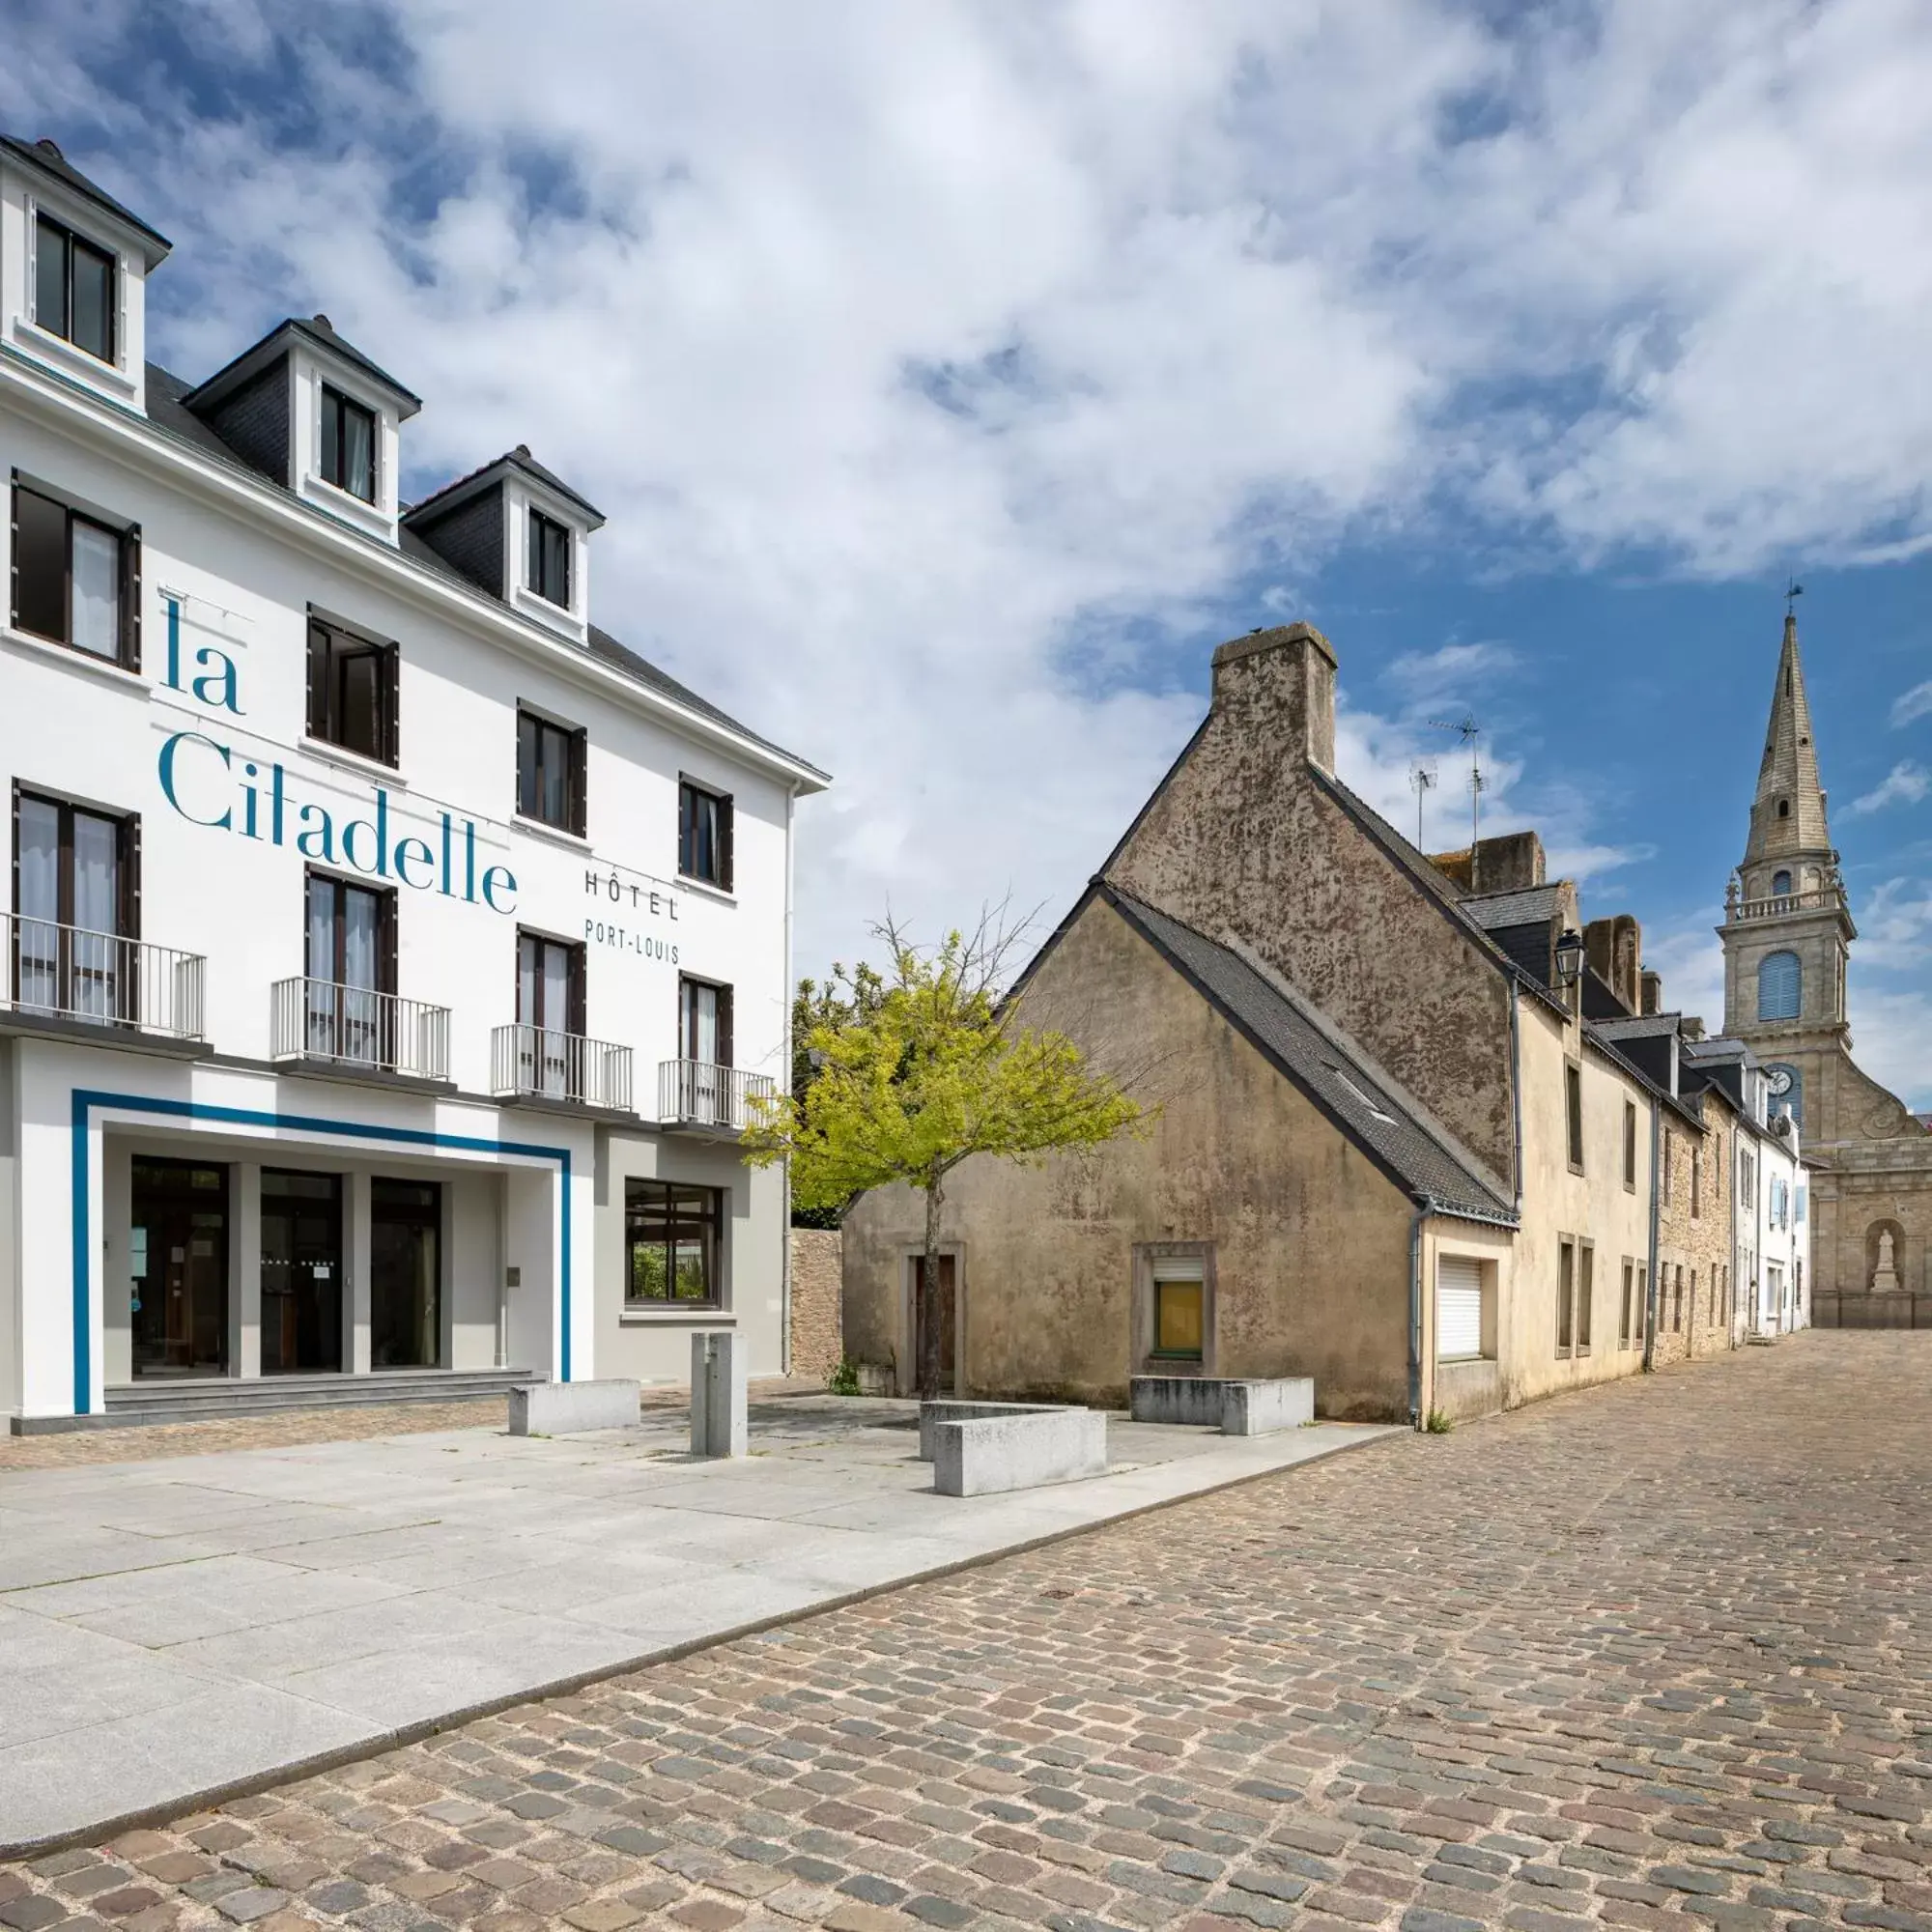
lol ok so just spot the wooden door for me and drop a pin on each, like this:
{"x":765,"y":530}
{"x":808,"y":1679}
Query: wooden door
{"x":948,"y":1322}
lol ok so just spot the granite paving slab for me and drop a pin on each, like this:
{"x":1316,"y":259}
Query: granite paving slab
{"x":174,"y":1629}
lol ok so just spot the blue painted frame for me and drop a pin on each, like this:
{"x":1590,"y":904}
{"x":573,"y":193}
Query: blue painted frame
{"x":86,"y":1099}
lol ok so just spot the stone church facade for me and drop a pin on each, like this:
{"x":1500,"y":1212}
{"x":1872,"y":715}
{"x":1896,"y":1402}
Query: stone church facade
{"x":1786,"y":935}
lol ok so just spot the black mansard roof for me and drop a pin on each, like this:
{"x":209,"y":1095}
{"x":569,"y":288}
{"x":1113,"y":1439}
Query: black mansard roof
{"x":47,"y":158}
{"x":168,"y":411}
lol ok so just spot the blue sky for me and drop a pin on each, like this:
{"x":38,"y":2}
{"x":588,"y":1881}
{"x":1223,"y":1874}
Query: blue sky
{"x":956,"y":376}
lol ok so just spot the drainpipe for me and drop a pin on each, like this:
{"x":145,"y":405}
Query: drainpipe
{"x":1424,"y":1205}
{"x":1516,"y":1096}
{"x":785,"y":1061}
{"x":1650,"y":1297}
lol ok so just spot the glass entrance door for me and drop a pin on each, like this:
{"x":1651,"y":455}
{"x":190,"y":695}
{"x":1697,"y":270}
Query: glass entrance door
{"x":178,"y":1268}
{"x":405,"y":1274}
{"x":302,"y":1272}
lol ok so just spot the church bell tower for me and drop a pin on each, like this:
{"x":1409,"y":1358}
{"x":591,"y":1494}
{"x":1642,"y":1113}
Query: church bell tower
{"x":1786,"y":927}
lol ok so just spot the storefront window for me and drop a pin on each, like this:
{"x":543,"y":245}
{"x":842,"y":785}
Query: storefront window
{"x":672,"y":1230}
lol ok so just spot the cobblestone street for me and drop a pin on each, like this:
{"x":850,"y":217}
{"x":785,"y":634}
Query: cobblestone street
{"x":1658,"y":1649}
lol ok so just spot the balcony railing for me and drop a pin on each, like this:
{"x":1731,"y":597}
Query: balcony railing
{"x":356,"y":1026}
{"x":545,"y":1065}
{"x":696,"y":1094}
{"x":64,"y":971}
{"x":1821,"y":898}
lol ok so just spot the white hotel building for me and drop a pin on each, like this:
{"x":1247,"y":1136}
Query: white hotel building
{"x":390,"y":952}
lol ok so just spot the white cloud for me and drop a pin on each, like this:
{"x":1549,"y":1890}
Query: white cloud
{"x":939,"y":367}
{"x":1449,"y":670}
{"x":1908,"y":706}
{"x":1906,"y":783}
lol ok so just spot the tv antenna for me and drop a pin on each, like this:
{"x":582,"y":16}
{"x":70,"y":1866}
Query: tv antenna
{"x":1422,"y":780}
{"x":1470,"y":731}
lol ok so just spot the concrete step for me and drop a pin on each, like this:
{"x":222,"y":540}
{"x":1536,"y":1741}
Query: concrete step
{"x":193,"y":1399}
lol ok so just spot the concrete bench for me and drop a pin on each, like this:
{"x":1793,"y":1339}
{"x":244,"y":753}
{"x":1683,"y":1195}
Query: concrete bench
{"x":1017,"y":1449}
{"x":1234,"y":1406}
{"x":932,"y":1413}
{"x":569,"y":1408}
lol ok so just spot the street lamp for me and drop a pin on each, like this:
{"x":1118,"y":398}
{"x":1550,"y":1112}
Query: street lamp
{"x":1569,"y":958}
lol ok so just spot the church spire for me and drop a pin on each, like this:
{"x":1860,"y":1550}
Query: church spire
{"x":1788,"y":814}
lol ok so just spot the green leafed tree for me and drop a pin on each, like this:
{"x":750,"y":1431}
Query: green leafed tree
{"x":927,"y":1070}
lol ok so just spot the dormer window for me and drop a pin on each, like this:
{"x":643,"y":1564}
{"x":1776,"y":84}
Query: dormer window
{"x":348,"y":445}
{"x":74,"y":289}
{"x":549,"y":574}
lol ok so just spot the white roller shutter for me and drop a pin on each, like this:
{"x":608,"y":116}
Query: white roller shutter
{"x":1458,"y":1307}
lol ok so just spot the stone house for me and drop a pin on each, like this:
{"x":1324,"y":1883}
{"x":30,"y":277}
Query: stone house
{"x":1394,"y":1152}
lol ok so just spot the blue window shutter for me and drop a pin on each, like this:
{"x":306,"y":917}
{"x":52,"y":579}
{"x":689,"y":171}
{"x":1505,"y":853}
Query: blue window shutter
{"x":1779,"y":987}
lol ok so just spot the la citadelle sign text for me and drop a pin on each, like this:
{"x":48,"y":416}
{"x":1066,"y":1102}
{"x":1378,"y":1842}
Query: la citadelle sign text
{"x":211,"y":785}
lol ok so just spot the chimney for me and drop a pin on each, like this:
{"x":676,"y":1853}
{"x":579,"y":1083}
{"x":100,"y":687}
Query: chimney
{"x":1279,"y":684}
{"x":1653,"y":992}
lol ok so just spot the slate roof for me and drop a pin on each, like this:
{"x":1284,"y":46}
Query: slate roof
{"x":317,"y":328}
{"x":1336,"y":1075}
{"x":1533,"y":905}
{"x":44,"y":153}
{"x":518,"y":458}
{"x":168,"y":411}
{"x":1639,"y":1026}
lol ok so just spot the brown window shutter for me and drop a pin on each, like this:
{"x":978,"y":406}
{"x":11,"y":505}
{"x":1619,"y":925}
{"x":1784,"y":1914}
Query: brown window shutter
{"x":724,"y":1058}
{"x":578,"y":1000}
{"x":727,"y":818}
{"x":389,"y":942}
{"x":131,"y":596}
{"x":392,"y":716}
{"x":580,"y":773}
{"x":14,"y":555}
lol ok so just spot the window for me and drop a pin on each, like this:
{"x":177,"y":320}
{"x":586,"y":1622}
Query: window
{"x":1798,"y":1212}
{"x":76,"y":910}
{"x":1746,"y":1178}
{"x":704,"y":1023}
{"x":1781,"y":984}
{"x":348,"y":445}
{"x":1629,"y":1147}
{"x":673,"y":1234}
{"x":1180,"y":1308}
{"x":1781,"y":885}
{"x":1642,"y":1304}
{"x":1586,"y":1271}
{"x":1667,"y":1172}
{"x":549,"y":773}
{"x":1696,"y":1181}
{"x":549,"y":564}
{"x":1566,"y":1296}
{"x":351,"y":691}
{"x":1459,"y":1308}
{"x":1677,"y":1300}
{"x":350,"y":972}
{"x":1784,"y":808}
{"x":1628,"y":1303}
{"x":549,"y":1016}
{"x":74,"y":289}
{"x":75,"y":578}
{"x":704,"y":834}
{"x":1573,"y":1096}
